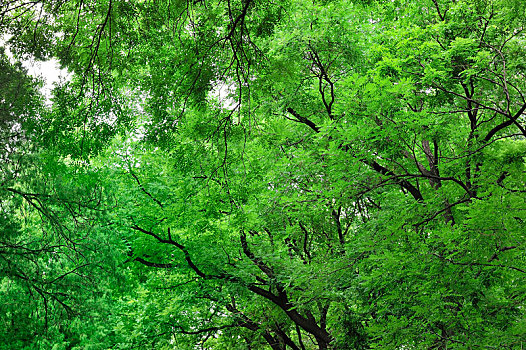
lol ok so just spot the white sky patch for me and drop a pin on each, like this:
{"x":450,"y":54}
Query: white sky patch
{"x":222,"y":92}
{"x":49,"y":71}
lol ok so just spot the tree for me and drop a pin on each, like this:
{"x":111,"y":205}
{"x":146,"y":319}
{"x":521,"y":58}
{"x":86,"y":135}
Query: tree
{"x":52,"y":255}
{"x":360,"y":187}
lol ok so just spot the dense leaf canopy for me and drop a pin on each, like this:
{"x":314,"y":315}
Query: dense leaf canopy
{"x":245,"y":174}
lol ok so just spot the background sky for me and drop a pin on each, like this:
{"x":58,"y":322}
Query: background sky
{"x":48,"y":71}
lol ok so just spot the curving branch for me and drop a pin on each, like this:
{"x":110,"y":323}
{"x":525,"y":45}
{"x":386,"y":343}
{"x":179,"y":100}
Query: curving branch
{"x":415,"y":192}
{"x":182,"y":248}
{"x":144,"y":190}
{"x":510,"y":121}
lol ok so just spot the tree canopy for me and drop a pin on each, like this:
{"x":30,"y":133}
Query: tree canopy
{"x":246,"y":174}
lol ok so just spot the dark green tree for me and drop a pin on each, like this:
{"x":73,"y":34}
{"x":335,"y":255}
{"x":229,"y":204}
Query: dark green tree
{"x":304,"y":175}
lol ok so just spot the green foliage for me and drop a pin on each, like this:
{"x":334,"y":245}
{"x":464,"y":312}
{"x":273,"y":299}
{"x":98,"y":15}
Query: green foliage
{"x":250,"y":175}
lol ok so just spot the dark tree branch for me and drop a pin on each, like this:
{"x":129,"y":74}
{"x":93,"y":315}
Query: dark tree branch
{"x":144,"y":190}
{"x":182,"y":248}
{"x":308,"y":325}
{"x":303,"y":120}
{"x":440,"y":15}
{"x":373,"y":164}
{"x":305,"y":242}
{"x":404,"y":183}
{"x":153,"y":264}
{"x":477,"y":263}
{"x":256,"y":260}
{"x":510,"y":121}
{"x":336,"y":216}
